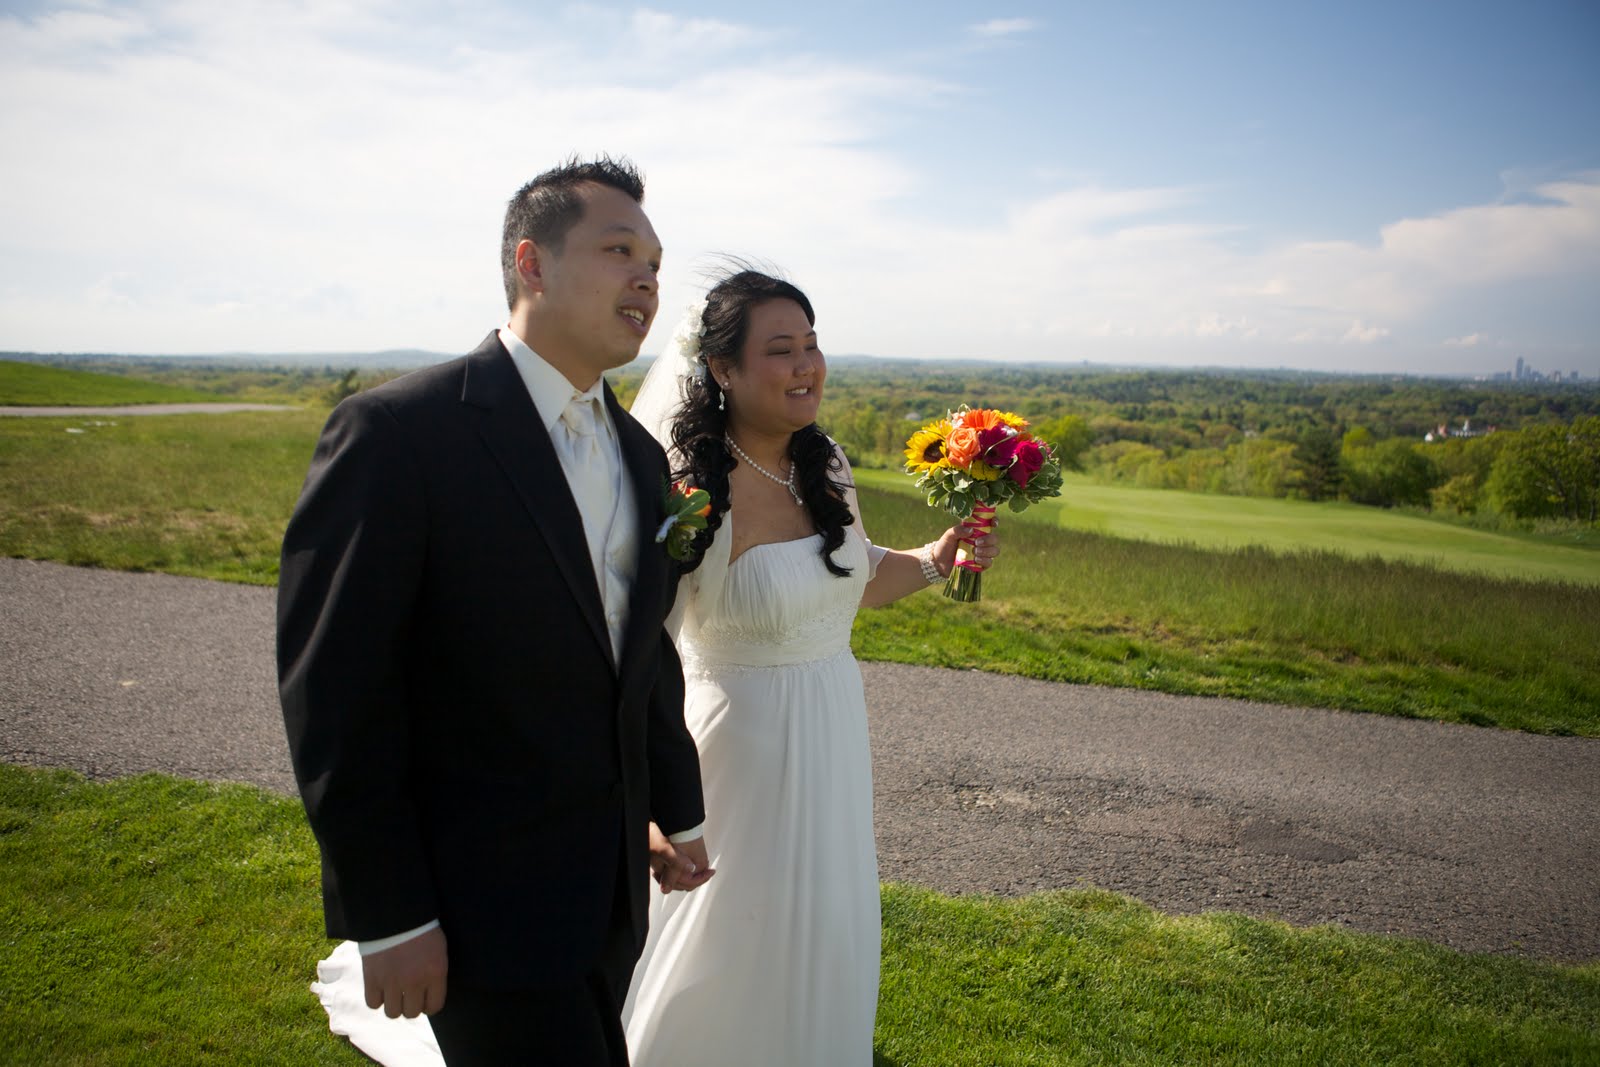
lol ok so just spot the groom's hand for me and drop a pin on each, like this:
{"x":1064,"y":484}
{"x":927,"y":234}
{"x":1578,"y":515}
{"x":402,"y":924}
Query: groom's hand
{"x":407,"y":979}
{"x":683,"y":866}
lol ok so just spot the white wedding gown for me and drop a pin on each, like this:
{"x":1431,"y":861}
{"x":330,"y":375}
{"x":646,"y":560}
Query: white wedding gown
{"x":775,"y":960}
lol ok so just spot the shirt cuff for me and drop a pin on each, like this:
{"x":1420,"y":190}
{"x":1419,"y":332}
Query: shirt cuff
{"x":694,"y":833}
{"x":369,"y":947}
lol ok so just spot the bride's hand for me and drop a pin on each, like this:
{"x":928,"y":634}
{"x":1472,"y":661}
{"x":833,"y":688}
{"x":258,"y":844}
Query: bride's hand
{"x":984,"y":549}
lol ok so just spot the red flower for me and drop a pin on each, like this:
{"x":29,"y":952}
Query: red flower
{"x":1026,"y":459}
{"x":992,"y":440}
{"x":1000,"y":449}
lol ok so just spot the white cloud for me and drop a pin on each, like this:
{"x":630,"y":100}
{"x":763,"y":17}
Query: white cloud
{"x":664,"y":41}
{"x":1004,"y":27}
{"x":242,"y":177}
{"x":191,"y":177}
{"x":1362,"y":334}
{"x":1493,"y":242}
{"x":1471,"y":340}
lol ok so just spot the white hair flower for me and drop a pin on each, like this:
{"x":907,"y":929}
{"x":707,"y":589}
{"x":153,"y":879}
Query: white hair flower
{"x":686,"y":338}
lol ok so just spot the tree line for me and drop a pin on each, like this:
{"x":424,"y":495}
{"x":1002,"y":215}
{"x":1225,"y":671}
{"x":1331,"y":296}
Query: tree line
{"x":1518,"y":451}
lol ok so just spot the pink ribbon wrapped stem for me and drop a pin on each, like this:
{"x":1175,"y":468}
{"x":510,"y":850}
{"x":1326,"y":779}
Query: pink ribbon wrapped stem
{"x":965,"y":581}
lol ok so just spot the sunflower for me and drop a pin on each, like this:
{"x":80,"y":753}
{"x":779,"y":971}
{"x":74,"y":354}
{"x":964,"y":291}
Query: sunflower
{"x":925,"y":450}
{"x":1016,"y":422}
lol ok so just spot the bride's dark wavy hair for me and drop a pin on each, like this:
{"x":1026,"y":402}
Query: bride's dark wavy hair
{"x":701,"y":425}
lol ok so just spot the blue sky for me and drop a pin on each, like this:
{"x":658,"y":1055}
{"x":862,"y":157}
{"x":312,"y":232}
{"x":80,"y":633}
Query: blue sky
{"x":1364,"y":186}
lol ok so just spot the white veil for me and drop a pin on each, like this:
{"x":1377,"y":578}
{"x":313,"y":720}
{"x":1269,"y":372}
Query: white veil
{"x":664,"y":388}
{"x":656,"y":406}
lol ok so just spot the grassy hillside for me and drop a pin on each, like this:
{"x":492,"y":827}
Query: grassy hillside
{"x":209,"y":496}
{"x":1313,"y":628}
{"x":37,"y":385}
{"x":204,"y":495}
{"x":1208,"y":520}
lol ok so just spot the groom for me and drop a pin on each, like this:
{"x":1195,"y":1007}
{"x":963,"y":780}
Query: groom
{"x":484,"y":712}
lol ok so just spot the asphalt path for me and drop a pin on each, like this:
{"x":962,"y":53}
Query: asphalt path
{"x":1479,"y":839}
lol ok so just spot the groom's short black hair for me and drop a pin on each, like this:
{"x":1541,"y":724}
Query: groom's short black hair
{"x":544,"y":210}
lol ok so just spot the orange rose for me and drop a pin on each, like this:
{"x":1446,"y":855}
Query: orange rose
{"x":962,"y":446}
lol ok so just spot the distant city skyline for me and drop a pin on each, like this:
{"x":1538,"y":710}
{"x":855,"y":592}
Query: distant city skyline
{"x":1395,"y":187}
{"x":1526,"y":372}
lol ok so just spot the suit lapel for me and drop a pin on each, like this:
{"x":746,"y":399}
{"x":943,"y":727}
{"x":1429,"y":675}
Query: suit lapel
{"x":514,"y":434}
{"x":645,"y":473}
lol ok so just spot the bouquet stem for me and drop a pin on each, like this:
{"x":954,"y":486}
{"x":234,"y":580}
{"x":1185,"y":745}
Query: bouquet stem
{"x":965,"y":584}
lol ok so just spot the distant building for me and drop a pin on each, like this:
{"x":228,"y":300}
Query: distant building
{"x":1443,"y":432}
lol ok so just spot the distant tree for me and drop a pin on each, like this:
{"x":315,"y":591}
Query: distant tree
{"x":1388,"y":474}
{"x":1315,"y":474}
{"x":856,"y":428}
{"x":1257,"y":466}
{"x":1464,"y":465}
{"x":1550,"y":471}
{"x":1069,"y":437}
{"x":1356,"y":438}
{"x":348,"y":385}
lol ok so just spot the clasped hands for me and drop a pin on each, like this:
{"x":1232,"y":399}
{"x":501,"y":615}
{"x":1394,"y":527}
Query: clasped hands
{"x":683,"y":866}
{"x":410,"y":978}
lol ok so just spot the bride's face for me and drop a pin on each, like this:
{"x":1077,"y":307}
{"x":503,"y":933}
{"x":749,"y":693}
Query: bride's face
{"x":777,"y":385}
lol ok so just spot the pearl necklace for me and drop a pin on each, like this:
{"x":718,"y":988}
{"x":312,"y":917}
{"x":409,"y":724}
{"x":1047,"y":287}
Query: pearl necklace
{"x":787,"y":483}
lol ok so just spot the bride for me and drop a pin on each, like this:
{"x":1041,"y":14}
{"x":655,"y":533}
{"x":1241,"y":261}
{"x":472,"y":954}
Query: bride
{"x":775,"y":960}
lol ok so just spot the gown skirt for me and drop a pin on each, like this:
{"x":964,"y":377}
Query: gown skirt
{"x":774,"y":961}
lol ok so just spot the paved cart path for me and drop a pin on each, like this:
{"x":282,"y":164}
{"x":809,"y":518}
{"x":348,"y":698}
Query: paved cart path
{"x":1478,"y":839}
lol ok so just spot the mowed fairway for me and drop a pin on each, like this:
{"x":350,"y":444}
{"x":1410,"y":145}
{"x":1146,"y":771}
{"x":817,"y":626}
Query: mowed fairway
{"x":1207,"y":520}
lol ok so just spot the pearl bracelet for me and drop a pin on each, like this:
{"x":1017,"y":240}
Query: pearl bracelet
{"x":930,"y":569}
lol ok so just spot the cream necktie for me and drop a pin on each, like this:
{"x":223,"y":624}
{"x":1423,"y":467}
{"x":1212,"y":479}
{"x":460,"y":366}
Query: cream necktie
{"x":588,"y":474}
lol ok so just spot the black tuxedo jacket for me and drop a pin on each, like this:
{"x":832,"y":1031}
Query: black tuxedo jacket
{"x":465,"y":745}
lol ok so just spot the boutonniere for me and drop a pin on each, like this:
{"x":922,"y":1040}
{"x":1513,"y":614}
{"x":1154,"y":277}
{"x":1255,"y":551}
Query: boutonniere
{"x":685,"y":508}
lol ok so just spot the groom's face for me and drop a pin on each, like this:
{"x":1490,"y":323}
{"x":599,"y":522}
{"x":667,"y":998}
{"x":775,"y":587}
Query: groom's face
{"x":599,"y":292}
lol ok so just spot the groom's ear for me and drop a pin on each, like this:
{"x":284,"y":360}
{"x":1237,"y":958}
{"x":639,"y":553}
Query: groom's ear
{"x":530,"y":265}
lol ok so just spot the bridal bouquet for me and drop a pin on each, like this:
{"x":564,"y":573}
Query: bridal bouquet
{"x":969,"y":463}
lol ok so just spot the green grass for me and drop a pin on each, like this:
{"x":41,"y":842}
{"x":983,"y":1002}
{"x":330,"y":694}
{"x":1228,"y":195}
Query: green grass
{"x":36,"y":385}
{"x":1314,"y":629}
{"x":202,"y":495}
{"x":1089,"y":977}
{"x":158,"y":921}
{"x":1209,"y":520}
{"x":209,"y":496}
